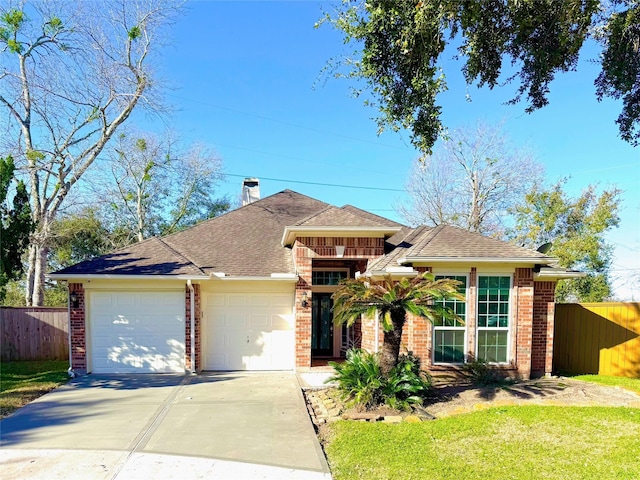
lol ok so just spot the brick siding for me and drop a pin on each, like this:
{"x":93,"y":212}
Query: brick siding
{"x":78,"y":330}
{"x":543,"y":327}
{"x":523,"y":284}
{"x":198,"y":328}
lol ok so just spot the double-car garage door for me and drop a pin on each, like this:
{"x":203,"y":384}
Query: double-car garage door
{"x":144,"y":331}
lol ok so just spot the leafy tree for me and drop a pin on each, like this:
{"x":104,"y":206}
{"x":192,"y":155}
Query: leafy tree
{"x":160,"y":188}
{"x":78,"y":237}
{"x":72,"y":73}
{"x":576,"y":228}
{"x":15,"y":225}
{"x":472,"y":181}
{"x":402,"y":42}
{"x":393,"y":300}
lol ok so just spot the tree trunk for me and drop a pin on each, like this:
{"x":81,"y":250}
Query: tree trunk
{"x":31,"y":271}
{"x":38,"y":253}
{"x":392,"y":341}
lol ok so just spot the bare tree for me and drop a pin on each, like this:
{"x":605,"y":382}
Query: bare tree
{"x":473,"y":181}
{"x":71,"y":75}
{"x":158,"y":187}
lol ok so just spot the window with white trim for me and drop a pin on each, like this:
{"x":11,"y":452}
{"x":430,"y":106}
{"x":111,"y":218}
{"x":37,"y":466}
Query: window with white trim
{"x":493,"y":318}
{"x":449,"y":333}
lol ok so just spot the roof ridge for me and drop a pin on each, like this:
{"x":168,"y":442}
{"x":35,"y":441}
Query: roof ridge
{"x":315,"y":214}
{"x":179,"y":254}
{"x":348,"y":205}
{"x":241,"y":207}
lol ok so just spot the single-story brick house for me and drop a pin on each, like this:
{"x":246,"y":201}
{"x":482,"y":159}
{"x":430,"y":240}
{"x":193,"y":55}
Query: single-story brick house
{"x":251,"y":290}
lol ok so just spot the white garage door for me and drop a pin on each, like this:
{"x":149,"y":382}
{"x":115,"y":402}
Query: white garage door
{"x":137,"y":332}
{"x":248,"y":331}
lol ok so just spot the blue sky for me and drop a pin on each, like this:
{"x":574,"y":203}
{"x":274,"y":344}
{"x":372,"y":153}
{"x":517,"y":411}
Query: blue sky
{"x":246,"y":80}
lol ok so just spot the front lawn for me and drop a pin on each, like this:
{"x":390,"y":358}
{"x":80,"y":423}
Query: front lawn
{"x":526,"y":442}
{"x":632,"y":384}
{"x":22,"y":382}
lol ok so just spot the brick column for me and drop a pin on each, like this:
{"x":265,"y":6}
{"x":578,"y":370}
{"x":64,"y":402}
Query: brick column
{"x":523,"y":283}
{"x":197,"y":326}
{"x":303,"y":260}
{"x":543,"y":325}
{"x":77,"y":327}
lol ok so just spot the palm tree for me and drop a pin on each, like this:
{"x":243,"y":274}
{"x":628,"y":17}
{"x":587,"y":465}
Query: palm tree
{"x":422,"y":296}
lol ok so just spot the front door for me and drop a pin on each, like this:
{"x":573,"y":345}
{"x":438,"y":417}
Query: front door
{"x":321,"y":325}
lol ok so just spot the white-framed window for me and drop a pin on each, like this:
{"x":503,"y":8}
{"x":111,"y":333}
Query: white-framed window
{"x":449,"y":334}
{"x":494,"y":318}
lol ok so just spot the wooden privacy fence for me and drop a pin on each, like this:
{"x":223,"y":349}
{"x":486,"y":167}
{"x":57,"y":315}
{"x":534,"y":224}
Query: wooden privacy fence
{"x":597,"y":338}
{"x":34,"y":333}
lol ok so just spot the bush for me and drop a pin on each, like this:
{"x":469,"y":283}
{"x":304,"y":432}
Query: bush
{"x":362,"y":384}
{"x":482,"y":374}
{"x":359,"y":378}
{"x":406,"y":385}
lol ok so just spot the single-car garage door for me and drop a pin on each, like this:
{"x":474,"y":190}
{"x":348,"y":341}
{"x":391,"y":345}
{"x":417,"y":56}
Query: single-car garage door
{"x":249,"y":331}
{"x":137,"y":332}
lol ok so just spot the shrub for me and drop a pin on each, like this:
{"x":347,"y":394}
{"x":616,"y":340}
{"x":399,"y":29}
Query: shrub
{"x":359,"y":378}
{"x":362,"y":384}
{"x":406,"y":384}
{"x":482,"y":374}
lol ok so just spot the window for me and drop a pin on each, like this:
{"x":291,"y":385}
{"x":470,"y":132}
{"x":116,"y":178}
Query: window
{"x":328,"y":277}
{"x":493,"y":318}
{"x":449,"y":333}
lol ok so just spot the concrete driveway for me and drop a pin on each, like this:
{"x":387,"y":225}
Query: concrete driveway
{"x":213,"y":425}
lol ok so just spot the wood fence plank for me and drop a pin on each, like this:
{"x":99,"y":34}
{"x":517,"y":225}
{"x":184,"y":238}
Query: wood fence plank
{"x":34,"y":333}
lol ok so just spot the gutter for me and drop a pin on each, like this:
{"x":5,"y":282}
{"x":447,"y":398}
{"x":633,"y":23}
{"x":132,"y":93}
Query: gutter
{"x":108,"y":276}
{"x":193,"y":323}
{"x":525,"y":260}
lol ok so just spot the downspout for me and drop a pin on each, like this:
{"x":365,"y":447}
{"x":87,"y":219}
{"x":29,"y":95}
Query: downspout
{"x":193,"y":324}
{"x":70,"y":371}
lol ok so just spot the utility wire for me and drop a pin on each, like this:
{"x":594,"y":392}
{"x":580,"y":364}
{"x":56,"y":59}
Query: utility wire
{"x":317,"y":183}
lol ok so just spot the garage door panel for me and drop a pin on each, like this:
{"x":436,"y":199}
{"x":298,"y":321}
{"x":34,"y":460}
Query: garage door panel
{"x":137,"y":332}
{"x":245,"y":340}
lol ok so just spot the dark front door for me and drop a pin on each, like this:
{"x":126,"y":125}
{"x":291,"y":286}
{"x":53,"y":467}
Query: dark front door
{"x":321,"y":325}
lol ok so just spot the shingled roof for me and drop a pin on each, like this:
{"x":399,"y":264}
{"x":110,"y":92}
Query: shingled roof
{"x":446,"y":242}
{"x":247,"y":242}
{"x":243,"y":242}
{"x":150,"y":257}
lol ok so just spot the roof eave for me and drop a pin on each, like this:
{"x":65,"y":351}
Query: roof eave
{"x":531,"y":260}
{"x":290,"y":233}
{"x":277,"y":277}
{"x":112,"y":276}
{"x":550,"y":273}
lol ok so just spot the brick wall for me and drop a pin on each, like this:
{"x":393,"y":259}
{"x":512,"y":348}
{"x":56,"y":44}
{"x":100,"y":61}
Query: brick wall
{"x":322,"y":250}
{"x":523,"y":283}
{"x":543,"y":327}
{"x":198,"y":327}
{"x":78,"y":330}
{"x":303,"y":259}
{"x":358,"y":247}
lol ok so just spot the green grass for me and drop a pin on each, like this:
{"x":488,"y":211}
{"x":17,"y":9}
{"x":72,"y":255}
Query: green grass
{"x":528,"y":442}
{"x":22,"y":382}
{"x":632,"y":384}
